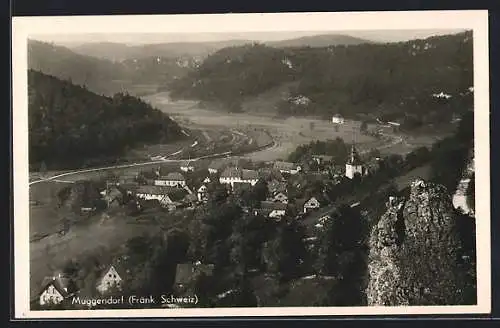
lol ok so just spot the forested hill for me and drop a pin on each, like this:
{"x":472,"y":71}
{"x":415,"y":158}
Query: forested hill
{"x":104,"y":76}
{"x":393,"y":79}
{"x":72,"y":127}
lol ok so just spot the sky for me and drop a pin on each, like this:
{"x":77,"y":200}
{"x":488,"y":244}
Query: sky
{"x":136,"y":39}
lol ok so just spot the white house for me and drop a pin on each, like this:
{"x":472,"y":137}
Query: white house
{"x":280,"y":197}
{"x":207,"y":180}
{"x":187,"y":166}
{"x":232,"y":175}
{"x":108,"y":280}
{"x":54,"y":290}
{"x":354,"y":165}
{"x":337,"y":119}
{"x":287,"y":167}
{"x":202,"y":194}
{"x":173,"y":179}
{"x":311,"y":204}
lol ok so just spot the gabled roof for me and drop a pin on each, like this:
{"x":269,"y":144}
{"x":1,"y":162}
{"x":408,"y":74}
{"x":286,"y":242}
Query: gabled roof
{"x":187,"y":163}
{"x":60,"y":284}
{"x":311,"y":199}
{"x":285,"y":166}
{"x":154,"y":190}
{"x":273,"y":205}
{"x":231,"y":172}
{"x":176,"y":194}
{"x":173,"y":176}
{"x":249,"y":175}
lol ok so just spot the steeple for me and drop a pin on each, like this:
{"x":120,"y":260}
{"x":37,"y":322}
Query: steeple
{"x":354,"y":157}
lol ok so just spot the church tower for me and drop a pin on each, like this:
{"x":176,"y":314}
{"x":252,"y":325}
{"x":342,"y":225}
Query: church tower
{"x":354,"y":164}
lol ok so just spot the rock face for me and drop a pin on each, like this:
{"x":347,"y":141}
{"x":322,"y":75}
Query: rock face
{"x":416,"y":253}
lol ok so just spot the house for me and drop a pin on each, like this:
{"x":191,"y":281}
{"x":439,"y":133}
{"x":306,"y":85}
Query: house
{"x":280,"y":197}
{"x":337,"y":119}
{"x":108,"y":280}
{"x":207,"y":180}
{"x":159,"y":193}
{"x":273,"y":210}
{"x":54,"y":290}
{"x":311,"y":204}
{"x":187,"y":166}
{"x":173,"y":179}
{"x":187,"y":273}
{"x":287,"y":167}
{"x":202,"y":193}
{"x":354,"y":165}
{"x":218,"y":165}
{"x":233,"y":175}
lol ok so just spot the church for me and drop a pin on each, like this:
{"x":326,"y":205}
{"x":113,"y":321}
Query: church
{"x":354,"y":164}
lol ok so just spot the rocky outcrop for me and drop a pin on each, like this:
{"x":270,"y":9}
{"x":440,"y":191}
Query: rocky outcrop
{"x":415,"y":251}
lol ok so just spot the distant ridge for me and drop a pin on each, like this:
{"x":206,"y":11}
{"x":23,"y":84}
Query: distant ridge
{"x":121,"y":51}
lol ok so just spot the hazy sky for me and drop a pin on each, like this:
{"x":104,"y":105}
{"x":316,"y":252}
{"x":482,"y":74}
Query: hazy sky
{"x":374,"y":35}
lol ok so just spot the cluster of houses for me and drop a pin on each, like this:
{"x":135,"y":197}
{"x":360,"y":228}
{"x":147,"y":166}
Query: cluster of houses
{"x":171,"y":190}
{"x":58,"y":288}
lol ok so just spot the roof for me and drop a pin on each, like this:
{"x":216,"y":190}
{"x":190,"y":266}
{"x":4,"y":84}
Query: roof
{"x":173,"y":176}
{"x":284,"y":166}
{"x":149,"y":203}
{"x":312,"y":199}
{"x":60,"y":284}
{"x":113,"y":194}
{"x":354,"y":157}
{"x":154,"y":190}
{"x":272,"y":205}
{"x":185,"y":272}
{"x":187,"y":164}
{"x":119,"y":270}
{"x":323,"y":157}
{"x":231,"y":172}
{"x":249,"y":175}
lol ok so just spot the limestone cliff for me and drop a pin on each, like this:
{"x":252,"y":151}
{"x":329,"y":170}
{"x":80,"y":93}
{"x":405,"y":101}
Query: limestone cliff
{"x":417,"y":254}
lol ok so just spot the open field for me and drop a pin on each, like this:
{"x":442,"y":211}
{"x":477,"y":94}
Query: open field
{"x":97,"y":234}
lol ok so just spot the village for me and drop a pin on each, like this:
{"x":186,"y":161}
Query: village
{"x":190,"y":186}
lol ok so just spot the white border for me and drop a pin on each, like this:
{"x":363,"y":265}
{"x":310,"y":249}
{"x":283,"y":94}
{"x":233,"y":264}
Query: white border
{"x":22,"y":27}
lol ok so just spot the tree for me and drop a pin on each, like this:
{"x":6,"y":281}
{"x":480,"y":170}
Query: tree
{"x":363,"y":127}
{"x":285,"y":253}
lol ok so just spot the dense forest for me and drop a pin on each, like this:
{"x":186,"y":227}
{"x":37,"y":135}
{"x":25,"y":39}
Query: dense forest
{"x":73,"y":127}
{"x":398,"y":81}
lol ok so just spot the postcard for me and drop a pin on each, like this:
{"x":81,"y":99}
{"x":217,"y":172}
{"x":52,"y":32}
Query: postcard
{"x":228,"y":165}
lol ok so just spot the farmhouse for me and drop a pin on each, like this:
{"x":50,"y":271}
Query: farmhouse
{"x":109,"y":279}
{"x":162,"y":194}
{"x":280,"y":197}
{"x":273,"y":210}
{"x":311,"y":204}
{"x":202,"y":193}
{"x":173,"y":179}
{"x":354,"y":166}
{"x":187,"y":166}
{"x":337,"y":119}
{"x":287,"y":167}
{"x":54,"y":290}
{"x":233,"y":174}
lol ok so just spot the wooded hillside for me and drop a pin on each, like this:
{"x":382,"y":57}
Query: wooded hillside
{"x":398,"y":81}
{"x":72,"y":127}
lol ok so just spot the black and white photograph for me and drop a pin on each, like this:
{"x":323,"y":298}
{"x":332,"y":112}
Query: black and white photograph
{"x":251,"y":164}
